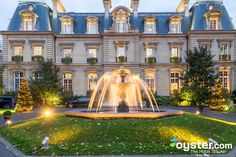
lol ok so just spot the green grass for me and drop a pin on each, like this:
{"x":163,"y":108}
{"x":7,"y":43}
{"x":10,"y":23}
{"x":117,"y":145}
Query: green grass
{"x":3,"y":110}
{"x":74,"y":136}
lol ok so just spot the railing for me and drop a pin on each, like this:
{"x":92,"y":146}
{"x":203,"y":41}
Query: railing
{"x":224,"y":57}
{"x":150,"y":60}
{"x":175,"y":60}
{"x":18,"y":59}
{"x":92,"y":60}
{"x":121,"y":59}
{"x":66,"y":60}
{"x":37,"y":58}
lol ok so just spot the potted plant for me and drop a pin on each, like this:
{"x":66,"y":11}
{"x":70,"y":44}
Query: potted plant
{"x":7,"y":116}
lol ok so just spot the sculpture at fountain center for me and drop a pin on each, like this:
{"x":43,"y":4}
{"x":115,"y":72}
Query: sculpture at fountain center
{"x":123,"y":106}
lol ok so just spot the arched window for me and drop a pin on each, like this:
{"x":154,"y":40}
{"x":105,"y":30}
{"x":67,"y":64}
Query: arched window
{"x":121,"y":17}
{"x":175,"y":23}
{"x":67,"y":80}
{"x":92,"y":81}
{"x":92,"y":25}
{"x":150,"y":25}
{"x":18,"y":76}
{"x":66,"y":25}
{"x":28,"y":19}
{"x":213,"y":18}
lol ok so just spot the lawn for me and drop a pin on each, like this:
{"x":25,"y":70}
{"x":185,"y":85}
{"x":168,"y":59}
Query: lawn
{"x":74,"y":136}
{"x":3,"y":110}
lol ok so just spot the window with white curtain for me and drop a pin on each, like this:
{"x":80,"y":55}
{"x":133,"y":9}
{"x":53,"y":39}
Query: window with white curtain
{"x":121,"y":51}
{"x":38,"y":50}
{"x":18,"y":76}
{"x":224,"y":78}
{"x":150,"y":52}
{"x":18,"y":50}
{"x":92,"y":52}
{"x":68,"y":81}
{"x":92,"y":81}
{"x":150,"y":81}
{"x":92,"y":26}
{"x":67,"y":52}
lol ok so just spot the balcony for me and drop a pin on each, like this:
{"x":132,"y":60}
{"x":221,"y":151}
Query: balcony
{"x":150,"y":60}
{"x":225,"y":57}
{"x":66,"y":60}
{"x":18,"y":59}
{"x":121,"y":59}
{"x":92,"y":60}
{"x":175,"y":60}
{"x":37,"y":58}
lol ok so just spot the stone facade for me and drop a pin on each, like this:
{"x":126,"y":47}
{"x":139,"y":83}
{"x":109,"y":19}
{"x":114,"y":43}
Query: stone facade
{"x":106,"y":42}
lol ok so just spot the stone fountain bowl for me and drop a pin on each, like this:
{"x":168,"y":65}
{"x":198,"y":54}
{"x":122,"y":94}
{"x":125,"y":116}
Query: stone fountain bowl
{"x":106,"y":114}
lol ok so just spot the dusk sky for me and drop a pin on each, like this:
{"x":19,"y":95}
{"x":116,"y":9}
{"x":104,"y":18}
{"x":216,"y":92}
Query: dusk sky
{"x":7,"y":7}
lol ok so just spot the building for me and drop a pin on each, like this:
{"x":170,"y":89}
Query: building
{"x":85,"y":45}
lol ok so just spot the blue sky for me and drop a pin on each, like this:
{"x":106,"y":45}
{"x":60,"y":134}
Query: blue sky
{"x":7,"y":7}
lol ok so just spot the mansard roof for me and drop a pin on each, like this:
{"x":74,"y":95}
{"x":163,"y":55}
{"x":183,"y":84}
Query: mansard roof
{"x":196,"y":20}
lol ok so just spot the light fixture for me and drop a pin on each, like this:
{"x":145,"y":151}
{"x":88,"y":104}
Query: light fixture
{"x":8,"y":122}
{"x":47,"y":113}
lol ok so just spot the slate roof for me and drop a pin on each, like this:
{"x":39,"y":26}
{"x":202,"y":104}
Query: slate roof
{"x":45,"y":22}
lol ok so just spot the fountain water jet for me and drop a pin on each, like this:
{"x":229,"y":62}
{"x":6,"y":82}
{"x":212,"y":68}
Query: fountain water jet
{"x":122,"y":90}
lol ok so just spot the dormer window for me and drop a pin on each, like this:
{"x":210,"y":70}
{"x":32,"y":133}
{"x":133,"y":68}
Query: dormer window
{"x":66,"y":25}
{"x":175,"y":23}
{"x":150,"y":25}
{"x":121,"y":16}
{"x":213,"y":18}
{"x":92,"y":25}
{"x":28,"y":20}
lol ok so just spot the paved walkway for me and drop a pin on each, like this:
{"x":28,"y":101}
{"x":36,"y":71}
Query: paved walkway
{"x":207,"y":112}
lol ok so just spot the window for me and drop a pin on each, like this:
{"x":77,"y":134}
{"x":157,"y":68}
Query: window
{"x":18,"y":51}
{"x":150,"y":25}
{"x":214,"y":24}
{"x":92,"y":52}
{"x":17,"y":80}
{"x":37,"y":75}
{"x":38,"y":50}
{"x":67,"y":52}
{"x":66,"y":25}
{"x":92,"y":25}
{"x":224,"y":49}
{"x":224,"y":78}
{"x":175,"y":52}
{"x":28,"y":21}
{"x":121,"y":24}
{"x":174,"y":81}
{"x":67,"y":82}
{"x":121,"y":51}
{"x":150,"y":52}
{"x":175,"y":27}
{"x":150,"y":81}
{"x":28,"y":24}
{"x":92,"y":81}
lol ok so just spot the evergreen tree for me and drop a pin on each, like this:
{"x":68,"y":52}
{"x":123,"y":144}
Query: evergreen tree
{"x":200,"y":76}
{"x":47,"y":89}
{"x":24,"y":98}
{"x":219,"y":97}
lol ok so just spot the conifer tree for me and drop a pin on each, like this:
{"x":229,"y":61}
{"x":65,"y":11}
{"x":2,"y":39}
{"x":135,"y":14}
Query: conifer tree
{"x":24,"y":98}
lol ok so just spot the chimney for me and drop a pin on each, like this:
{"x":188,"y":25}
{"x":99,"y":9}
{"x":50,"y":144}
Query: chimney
{"x":107,"y":5}
{"x":58,"y":7}
{"x":183,"y":7}
{"x":134,"y":6}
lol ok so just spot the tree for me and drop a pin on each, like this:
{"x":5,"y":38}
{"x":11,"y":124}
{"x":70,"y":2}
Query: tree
{"x":24,"y":98}
{"x":47,"y":89}
{"x":200,"y":76}
{"x":219,"y":98}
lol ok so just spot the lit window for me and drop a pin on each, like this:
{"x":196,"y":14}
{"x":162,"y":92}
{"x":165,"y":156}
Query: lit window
{"x":17,"y":80}
{"x":214,"y":24}
{"x":121,"y":51}
{"x":92,"y":81}
{"x":38,"y":50}
{"x":67,"y":52}
{"x":28,"y":21}
{"x":121,"y":23}
{"x":213,"y":17}
{"x":174,"y":81}
{"x":18,"y":51}
{"x":92,"y":26}
{"x":67,"y":82}
{"x":224,"y":49}
{"x":66,"y":25}
{"x":150,"y":81}
{"x":150,"y":25}
{"x":224,"y":78}
{"x":92,"y":52}
{"x":150,"y":52}
{"x":175,"y":27}
{"x":175,"y":52}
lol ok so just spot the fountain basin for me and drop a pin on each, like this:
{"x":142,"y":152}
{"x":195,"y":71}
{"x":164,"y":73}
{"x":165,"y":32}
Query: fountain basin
{"x":130,"y":115}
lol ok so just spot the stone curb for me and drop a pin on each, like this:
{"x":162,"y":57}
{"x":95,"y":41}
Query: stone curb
{"x":15,"y":152}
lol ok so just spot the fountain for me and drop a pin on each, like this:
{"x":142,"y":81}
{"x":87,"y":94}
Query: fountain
{"x":120,"y":94}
